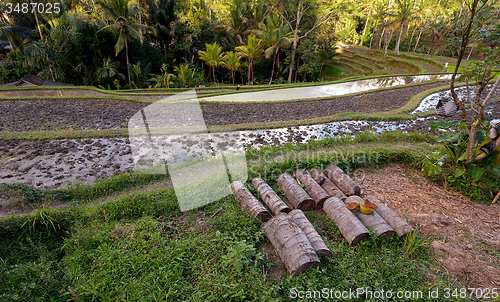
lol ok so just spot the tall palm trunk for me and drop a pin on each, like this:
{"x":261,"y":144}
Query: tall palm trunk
{"x":272,"y":71}
{"x":399,"y":39}
{"x":128,"y":63}
{"x":418,"y":39}
{"x":249,"y":77}
{"x":295,"y":43}
{"x":381,"y":37}
{"x":364,"y":29}
{"x":388,"y":41}
{"x":373,"y":33}
{"x":411,"y":39}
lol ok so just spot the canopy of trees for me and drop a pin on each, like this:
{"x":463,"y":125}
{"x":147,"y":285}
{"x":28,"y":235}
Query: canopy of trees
{"x":179,"y":43}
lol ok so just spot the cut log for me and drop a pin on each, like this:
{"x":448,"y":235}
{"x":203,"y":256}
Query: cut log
{"x":330,"y":188}
{"x":373,"y":221}
{"x":314,"y":238}
{"x":342,"y":181}
{"x":312,"y":188}
{"x":248,"y":202}
{"x":291,"y":243}
{"x":294,"y":192}
{"x":270,"y":198}
{"x":397,"y":223}
{"x":348,"y":224}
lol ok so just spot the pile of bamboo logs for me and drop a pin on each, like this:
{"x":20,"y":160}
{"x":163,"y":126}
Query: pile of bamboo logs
{"x":290,"y":232}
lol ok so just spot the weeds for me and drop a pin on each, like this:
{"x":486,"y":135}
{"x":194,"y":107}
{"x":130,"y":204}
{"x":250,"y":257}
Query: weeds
{"x":412,"y":242}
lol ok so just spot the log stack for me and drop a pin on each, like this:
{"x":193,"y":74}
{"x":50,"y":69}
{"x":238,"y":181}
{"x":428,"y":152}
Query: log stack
{"x":291,"y":243}
{"x":397,"y":223}
{"x":270,"y":198}
{"x":348,"y":224}
{"x":342,"y":181}
{"x":248,"y":202}
{"x":330,"y":188}
{"x":373,"y":222}
{"x":294,"y":238}
{"x":317,"y":193}
{"x":297,"y":197}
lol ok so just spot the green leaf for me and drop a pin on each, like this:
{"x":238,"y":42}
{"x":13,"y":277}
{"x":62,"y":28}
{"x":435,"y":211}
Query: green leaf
{"x":477,"y":173}
{"x":480,"y":137}
{"x":433,"y":170}
{"x":462,"y":126}
{"x":443,"y":137}
{"x":495,"y":169}
{"x":441,"y":124}
{"x":459,"y":172}
{"x":464,"y":156}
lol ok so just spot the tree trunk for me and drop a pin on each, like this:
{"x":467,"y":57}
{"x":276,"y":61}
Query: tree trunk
{"x":373,"y":221}
{"x":465,"y":41}
{"x":270,"y":198}
{"x":314,"y":238}
{"x":294,"y":192}
{"x":330,"y":188}
{"x":295,"y":42}
{"x":471,"y":50}
{"x":373,"y":33}
{"x":411,"y":39}
{"x":291,"y":243}
{"x":128,"y":64}
{"x":392,"y":218}
{"x":349,"y":225}
{"x":249,"y":72}
{"x":312,"y":188}
{"x":272,"y":71}
{"x":364,"y":29}
{"x":418,"y":39}
{"x":388,"y":41}
{"x":248,"y":202}
{"x":381,"y":37}
{"x":399,"y":39}
{"x":342,"y":181}
{"x":213,"y":74}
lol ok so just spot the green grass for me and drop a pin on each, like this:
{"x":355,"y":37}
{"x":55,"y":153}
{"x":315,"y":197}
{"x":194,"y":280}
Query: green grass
{"x":136,"y":245}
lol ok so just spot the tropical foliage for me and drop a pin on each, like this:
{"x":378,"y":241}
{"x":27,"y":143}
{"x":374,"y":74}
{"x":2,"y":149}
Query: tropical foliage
{"x":276,"y":41}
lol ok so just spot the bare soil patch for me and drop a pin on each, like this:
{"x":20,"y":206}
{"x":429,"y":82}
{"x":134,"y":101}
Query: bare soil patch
{"x":465,"y":235}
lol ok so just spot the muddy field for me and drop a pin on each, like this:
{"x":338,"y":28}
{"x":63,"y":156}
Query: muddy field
{"x":95,"y":114}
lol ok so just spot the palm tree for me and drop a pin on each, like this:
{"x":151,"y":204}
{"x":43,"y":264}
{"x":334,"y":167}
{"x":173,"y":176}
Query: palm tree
{"x":402,"y":14}
{"x":250,"y":51}
{"x":275,"y":35}
{"x":184,"y":74}
{"x":212,"y":56}
{"x":379,"y":14}
{"x":122,"y":11}
{"x":108,"y":71}
{"x":369,"y":7}
{"x":162,"y":16}
{"x":232,"y":62}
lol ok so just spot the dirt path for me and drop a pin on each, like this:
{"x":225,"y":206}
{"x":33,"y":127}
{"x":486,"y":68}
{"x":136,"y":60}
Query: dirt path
{"x":465,"y":235}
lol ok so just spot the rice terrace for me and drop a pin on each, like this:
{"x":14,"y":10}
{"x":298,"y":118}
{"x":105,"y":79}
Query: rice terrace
{"x":250,"y":150}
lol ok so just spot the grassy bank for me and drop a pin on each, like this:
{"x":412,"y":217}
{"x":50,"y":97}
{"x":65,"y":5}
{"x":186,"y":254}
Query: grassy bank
{"x":126,"y":239}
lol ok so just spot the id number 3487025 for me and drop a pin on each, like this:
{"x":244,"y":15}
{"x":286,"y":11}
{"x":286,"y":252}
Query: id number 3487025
{"x":33,"y":7}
